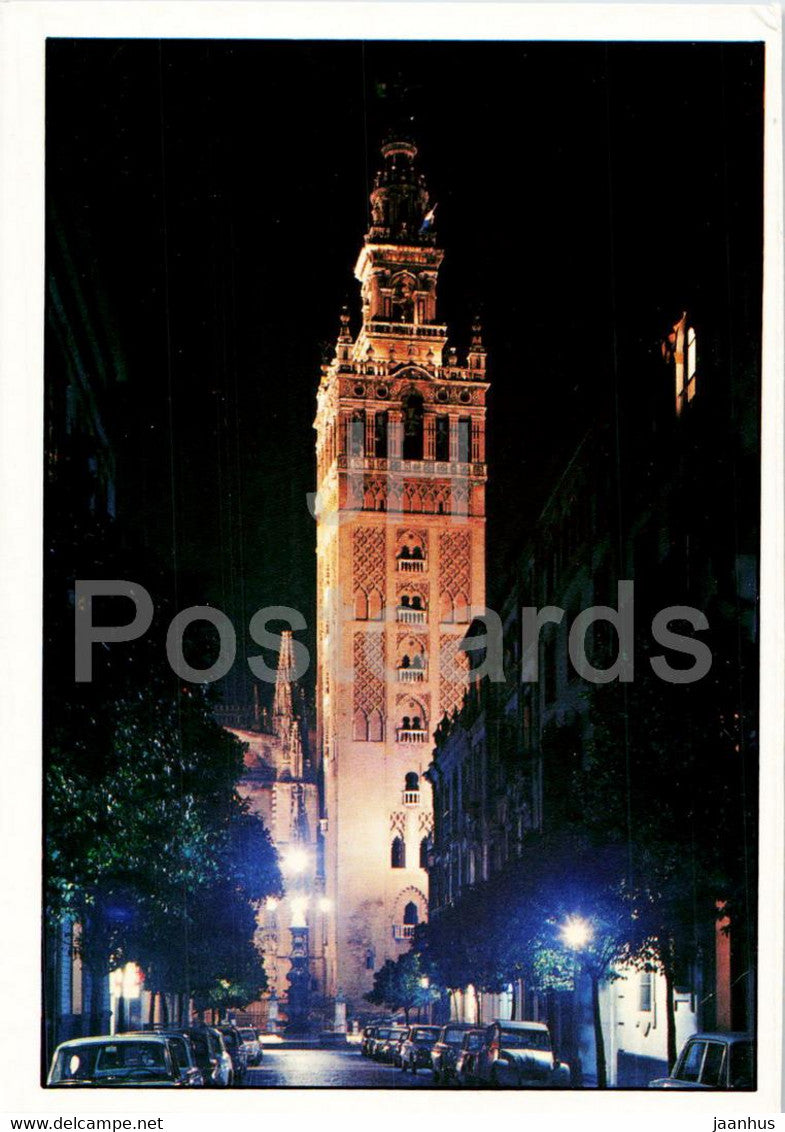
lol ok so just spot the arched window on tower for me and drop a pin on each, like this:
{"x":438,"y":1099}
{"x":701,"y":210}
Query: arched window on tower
{"x":410,"y":914}
{"x":398,"y":853}
{"x":464,"y":440}
{"x":360,"y":727}
{"x":424,"y":853}
{"x":380,"y":438}
{"x":411,"y":789}
{"x":375,"y":727}
{"x":356,"y":440}
{"x":443,"y":437}
{"x":413,"y":427}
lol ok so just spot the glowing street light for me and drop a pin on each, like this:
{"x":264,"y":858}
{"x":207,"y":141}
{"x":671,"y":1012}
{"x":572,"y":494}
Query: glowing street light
{"x":325,"y":905}
{"x":295,"y":860}
{"x":576,"y":933}
{"x":299,"y":905}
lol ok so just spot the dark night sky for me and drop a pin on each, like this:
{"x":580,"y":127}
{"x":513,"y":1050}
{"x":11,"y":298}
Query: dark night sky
{"x":218,"y":190}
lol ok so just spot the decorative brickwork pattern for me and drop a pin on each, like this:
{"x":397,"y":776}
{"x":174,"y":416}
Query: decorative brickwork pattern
{"x":453,"y":673}
{"x":425,"y":822}
{"x":454,"y":563}
{"x":398,"y":823}
{"x":368,"y":651}
{"x":368,"y":561}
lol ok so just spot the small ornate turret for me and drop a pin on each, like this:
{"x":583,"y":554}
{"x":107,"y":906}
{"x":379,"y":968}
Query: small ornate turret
{"x":399,"y":200}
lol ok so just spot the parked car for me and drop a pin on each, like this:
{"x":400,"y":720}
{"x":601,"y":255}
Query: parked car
{"x":415,"y":1048}
{"x":234,"y":1044}
{"x":251,"y":1044}
{"x":713,"y":1061}
{"x":445,"y":1051}
{"x":380,"y":1034}
{"x":386,"y":1044}
{"x":184,"y":1056}
{"x":369,"y":1033}
{"x":466,"y":1061}
{"x":212,"y":1056}
{"x":126,"y":1061}
{"x":518,"y":1055}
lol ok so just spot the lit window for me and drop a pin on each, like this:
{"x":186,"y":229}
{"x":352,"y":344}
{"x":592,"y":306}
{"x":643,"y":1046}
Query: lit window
{"x":691,"y":362}
{"x":681,"y":348}
{"x":645,"y":987}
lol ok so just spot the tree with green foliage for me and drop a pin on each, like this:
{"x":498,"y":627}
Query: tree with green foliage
{"x":402,"y":984}
{"x":147,"y":843}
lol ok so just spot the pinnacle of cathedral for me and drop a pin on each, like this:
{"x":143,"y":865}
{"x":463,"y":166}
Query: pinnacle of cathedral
{"x":400,"y":205}
{"x":283,"y":715}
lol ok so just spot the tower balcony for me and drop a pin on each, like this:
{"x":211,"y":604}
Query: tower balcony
{"x":411,"y":675}
{"x":411,"y":797}
{"x":403,"y":931}
{"x":411,"y":565}
{"x":375,"y":326}
{"x":411,"y":735}
{"x":410,"y":616}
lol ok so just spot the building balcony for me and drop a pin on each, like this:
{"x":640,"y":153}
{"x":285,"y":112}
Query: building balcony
{"x":405,"y":329}
{"x":403,"y":931}
{"x":410,"y":616}
{"x":411,"y":565}
{"x":411,"y":675}
{"x":411,"y":735}
{"x":411,"y":797}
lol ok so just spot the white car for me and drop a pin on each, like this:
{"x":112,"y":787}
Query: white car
{"x":128,"y":1061}
{"x":251,"y":1044}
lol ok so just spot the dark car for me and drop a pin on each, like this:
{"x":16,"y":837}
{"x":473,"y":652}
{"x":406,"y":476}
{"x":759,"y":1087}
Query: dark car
{"x":713,"y":1061}
{"x":128,"y":1061}
{"x":445,"y":1051}
{"x":234,"y":1044}
{"x":386,"y":1045}
{"x":519,"y":1055}
{"x":466,"y":1061}
{"x":369,"y":1033}
{"x":212,"y":1056}
{"x":183,"y":1054}
{"x":415,"y":1049}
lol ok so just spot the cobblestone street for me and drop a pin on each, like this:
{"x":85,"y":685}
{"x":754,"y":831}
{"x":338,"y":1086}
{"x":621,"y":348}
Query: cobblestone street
{"x":329,"y":1068}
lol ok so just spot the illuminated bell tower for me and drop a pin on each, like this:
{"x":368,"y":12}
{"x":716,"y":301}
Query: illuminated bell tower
{"x":401,"y":571}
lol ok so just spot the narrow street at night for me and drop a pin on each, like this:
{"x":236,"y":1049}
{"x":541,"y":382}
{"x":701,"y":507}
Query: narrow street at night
{"x":329,"y":1068}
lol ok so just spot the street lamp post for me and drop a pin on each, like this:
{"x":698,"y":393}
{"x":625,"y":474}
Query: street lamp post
{"x":576,"y":935}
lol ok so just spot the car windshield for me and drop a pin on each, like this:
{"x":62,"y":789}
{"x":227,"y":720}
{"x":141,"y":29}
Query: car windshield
{"x":248,"y":1035}
{"x":230,"y":1038}
{"x":383,"y":1034}
{"x":472,"y":1041}
{"x":398,"y":1033}
{"x":525,"y":1039}
{"x":179,"y":1048}
{"x":111,"y":1061}
{"x":691,"y":1062}
{"x":453,"y":1037}
{"x":424,"y":1036}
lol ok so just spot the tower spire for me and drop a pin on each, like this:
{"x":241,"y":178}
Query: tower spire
{"x":283,"y":715}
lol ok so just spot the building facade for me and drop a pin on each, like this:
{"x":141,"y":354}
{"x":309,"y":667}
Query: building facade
{"x":646,"y":504}
{"x":400,"y":511}
{"x":280,"y":785}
